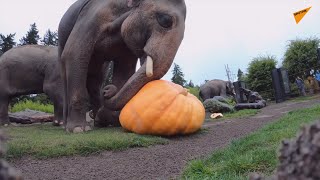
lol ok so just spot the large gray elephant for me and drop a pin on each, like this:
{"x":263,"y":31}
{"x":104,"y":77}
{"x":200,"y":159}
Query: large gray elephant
{"x":92,"y":31}
{"x":30,"y":69}
{"x":216,"y":87}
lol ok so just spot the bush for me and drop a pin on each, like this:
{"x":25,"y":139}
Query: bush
{"x":42,"y":98}
{"x":27,"y":104}
{"x":259,"y":75}
{"x":195,"y":91}
{"x":301,"y":57}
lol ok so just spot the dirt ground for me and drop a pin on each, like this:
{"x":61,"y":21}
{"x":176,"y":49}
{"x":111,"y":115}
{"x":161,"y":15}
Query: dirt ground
{"x":156,"y":162}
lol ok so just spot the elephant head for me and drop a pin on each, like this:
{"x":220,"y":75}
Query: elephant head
{"x":152,"y":31}
{"x":230,"y":88}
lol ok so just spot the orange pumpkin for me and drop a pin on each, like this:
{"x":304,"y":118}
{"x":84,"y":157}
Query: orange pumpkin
{"x":163,"y":108}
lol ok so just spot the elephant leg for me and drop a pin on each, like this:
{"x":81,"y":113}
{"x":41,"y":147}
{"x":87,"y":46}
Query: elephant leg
{"x":77,"y":98}
{"x":4,"y":103}
{"x":94,"y":82}
{"x":58,"y":114}
{"x":75,"y":59}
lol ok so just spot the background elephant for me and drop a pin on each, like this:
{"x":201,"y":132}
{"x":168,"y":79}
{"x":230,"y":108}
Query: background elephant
{"x":216,"y":87}
{"x":92,"y":31}
{"x":30,"y":69}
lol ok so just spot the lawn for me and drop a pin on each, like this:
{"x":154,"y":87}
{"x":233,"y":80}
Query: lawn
{"x":256,"y":152}
{"x":241,"y":113}
{"x":47,"y":141}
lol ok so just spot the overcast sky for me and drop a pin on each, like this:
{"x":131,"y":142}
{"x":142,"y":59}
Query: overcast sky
{"x":217,"y":32}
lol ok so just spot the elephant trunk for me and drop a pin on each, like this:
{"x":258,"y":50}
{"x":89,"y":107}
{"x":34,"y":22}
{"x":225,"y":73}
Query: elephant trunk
{"x":157,"y":60}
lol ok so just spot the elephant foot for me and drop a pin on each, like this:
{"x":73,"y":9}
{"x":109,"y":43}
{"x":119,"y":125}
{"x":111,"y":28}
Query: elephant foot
{"x":57,"y":123}
{"x":106,"y":118}
{"x":5,"y":122}
{"x":78,"y":129}
{"x":77,"y":126}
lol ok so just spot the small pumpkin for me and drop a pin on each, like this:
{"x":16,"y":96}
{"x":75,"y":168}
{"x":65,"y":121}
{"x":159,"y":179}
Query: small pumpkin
{"x":163,"y":108}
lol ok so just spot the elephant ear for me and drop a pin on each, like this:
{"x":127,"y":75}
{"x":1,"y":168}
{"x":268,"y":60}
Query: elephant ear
{"x":133,"y":3}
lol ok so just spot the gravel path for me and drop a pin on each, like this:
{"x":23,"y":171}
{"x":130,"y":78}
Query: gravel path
{"x":156,"y":162}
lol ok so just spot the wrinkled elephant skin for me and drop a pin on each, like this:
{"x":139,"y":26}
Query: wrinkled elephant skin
{"x":122,"y":31}
{"x":216,"y":87}
{"x":30,"y":69}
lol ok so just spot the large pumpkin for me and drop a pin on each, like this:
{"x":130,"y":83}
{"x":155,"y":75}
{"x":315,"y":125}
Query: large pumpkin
{"x":163,"y":108}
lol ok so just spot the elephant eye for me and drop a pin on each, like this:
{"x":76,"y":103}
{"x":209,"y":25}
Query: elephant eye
{"x":164,"y":20}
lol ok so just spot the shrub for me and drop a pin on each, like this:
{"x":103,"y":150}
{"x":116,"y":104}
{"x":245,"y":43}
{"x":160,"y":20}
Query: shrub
{"x":27,"y":104}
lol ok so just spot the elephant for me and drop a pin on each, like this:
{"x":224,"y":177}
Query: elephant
{"x":216,"y":87}
{"x":30,"y":69}
{"x":122,"y":31}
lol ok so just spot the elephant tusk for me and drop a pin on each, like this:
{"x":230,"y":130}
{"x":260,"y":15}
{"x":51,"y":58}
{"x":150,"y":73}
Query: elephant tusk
{"x":149,"y":67}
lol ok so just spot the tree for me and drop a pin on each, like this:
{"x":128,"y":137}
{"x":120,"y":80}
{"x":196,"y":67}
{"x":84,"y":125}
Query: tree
{"x":178,"y":76}
{"x":259,"y":75}
{"x":50,"y":38}
{"x":301,"y":57}
{"x":6,"y":42}
{"x":190,"y":84}
{"x":240,"y":75}
{"x":32,"y":36}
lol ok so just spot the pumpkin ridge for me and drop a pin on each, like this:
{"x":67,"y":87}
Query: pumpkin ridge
{"x":165,"y":110}
{"x":182,"y":114}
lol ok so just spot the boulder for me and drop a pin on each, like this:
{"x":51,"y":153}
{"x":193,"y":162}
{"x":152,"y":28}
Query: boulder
{"x":6,"y":171}
{"x":300,"y":157}
{"x":214,"y":106}
{"x":30,"y":116}
{"x":258,"y":105}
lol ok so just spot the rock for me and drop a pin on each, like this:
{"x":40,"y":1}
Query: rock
{"x":6,"y":171}
{"x":214,"y":106}
{"x":258,"y":105}
{"x":300,"y":157}
{"x":30,"y":116}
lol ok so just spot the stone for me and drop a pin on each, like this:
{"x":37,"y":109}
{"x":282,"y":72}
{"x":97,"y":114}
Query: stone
{"x":6,"y":171}
{"x":299,"y":158}
{"x":214,"y":106}
{"x":30,"y":116}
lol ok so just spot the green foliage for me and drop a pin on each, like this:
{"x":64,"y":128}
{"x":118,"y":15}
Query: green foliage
{"x":254,"y":153}
{"x":195,"y":91}
{"x":42,"y":98}
{"x":6,"y":42}
{"x":37,"y":106}
{"x":31,"y":37}
{"x":47,"y":141}
{"x":259,"y":75}
{"x":178,"y":76}
{"x":50,"y":38}
{"x":301,"y":57}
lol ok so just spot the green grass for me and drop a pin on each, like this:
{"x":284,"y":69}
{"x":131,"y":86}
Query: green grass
{"x":241,"y":114}
{"x":46,"y":141}
{"x":37,"y":106}
{"x":303,"y":98}
{"x":254,"y":153}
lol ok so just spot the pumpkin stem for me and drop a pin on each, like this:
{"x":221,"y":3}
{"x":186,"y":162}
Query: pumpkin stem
{"x":185,"y":92}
